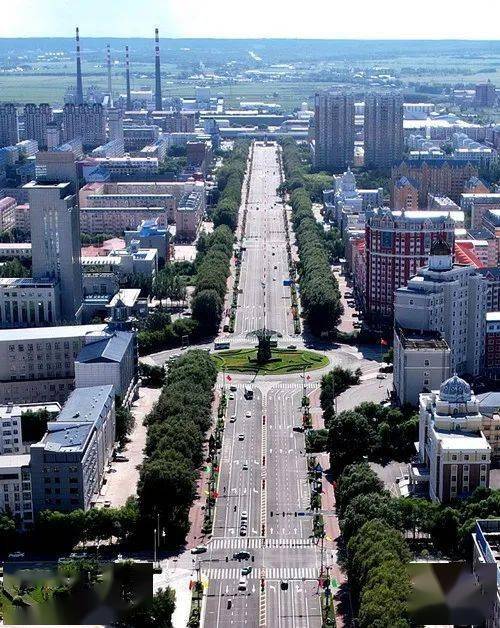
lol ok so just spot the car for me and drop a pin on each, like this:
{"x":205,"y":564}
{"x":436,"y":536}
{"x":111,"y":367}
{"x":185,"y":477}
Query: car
{"x":233,"y":388}
{"x":107,"y":504}
{"x":357,"y":325}
{"x":297,"y":428}
{"x":16,"y":555}
{"x":246,"y":570}
{"x":231,"y":397}
{"x":244,"y":514}
{"x":242,"y":586}
{"x":112,"y":470}
{"x":243,"y":531}
{"x":381,"y":376}
{"x":284,"y":585}
{"x":291,"y":346}
{"x":241,"y":555}
{"x":248,"y":414}
{"x":241,"y":436}
{"x":244,"y":467}
{"x":274,"y":278}
{"x":199,"y":549}
{"x":120,"y":458}
{"x":233,"y":418}
{"x":275,"y":268}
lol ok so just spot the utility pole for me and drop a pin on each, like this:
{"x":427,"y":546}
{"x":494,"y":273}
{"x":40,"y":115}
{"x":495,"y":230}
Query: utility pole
{"x":334,"y":398}
{"x":154,"y":548}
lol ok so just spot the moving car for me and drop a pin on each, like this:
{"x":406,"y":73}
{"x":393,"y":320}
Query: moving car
{"x":248,"y":414}
{"x":232,"y":388}
{"x":244,"y":514}
{"x":381,"y":376}
{"x":231,"y":397}
{"x":246,"y":570}
{"x":291,"y":346}
{"x":245,"y":467}
{"x":199,"y":549}
{"x":242,"y":586}
{"x":241,"y":436}
{"x":233,"y":418}
{"x":241,"y":555}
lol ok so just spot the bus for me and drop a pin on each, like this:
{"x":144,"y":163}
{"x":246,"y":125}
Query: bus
{"x":248,"y":391}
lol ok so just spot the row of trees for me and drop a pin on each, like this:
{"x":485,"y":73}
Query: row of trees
{"x":174,"y":446}
{"x":229,"y":182}
{"x":319,"y":290}
{"x":213,"y":263}
{"x":155,"y":335}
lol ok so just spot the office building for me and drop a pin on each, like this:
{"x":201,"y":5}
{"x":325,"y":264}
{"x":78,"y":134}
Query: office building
{"x":126,"y":262}
{"x":150,"y":235}
{"x":15,"y":488}
{"x":492,"y":345}
{"x":116,"y":220}
{"x":15,"y":440}
{"x":9,"y":129}
{"x":55,"y":240}
{"x":334,"y":131}
{"x":397,"y":244}
{"x":477,"y":205}
{"x":443,"y":177}
{"x":109,"y":360}
{"x":189,"y":214}
{"x":421,"y":363}
{"x":486,"y":567}
{"x":383,"y":130}
{"x":450,"y":299}
{"x":26,"y":302}
{"x":7,"y":213}
{"x":454,"y":455}
{"x":86,"y":122}
{"x":36,"y":119}
{"x":38,"y":364}
{"x":115,"y":125}
{"x":68,"y":465}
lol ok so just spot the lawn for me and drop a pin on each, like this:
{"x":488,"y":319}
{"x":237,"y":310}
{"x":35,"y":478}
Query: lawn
{"x":284,"y":361}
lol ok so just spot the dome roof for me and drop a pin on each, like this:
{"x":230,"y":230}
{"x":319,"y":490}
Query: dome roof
{"x":455,"y":390}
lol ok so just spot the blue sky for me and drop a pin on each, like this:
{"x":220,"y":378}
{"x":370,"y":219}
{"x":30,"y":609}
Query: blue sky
{"x":365,"y":19}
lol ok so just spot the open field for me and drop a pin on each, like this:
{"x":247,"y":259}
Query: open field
{"x":284,"y":361}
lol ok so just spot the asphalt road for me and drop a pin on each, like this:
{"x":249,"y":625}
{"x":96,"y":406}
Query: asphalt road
{"x":263,"y":467}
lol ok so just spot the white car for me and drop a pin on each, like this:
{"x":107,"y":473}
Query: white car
{"x":233,"y":418}
{"x":248,"y":414}
{"x":244,"y":514}
{"x":199,"y":549}
{"x":231,"y":397}
{"x":241,"y":436}
{"x":381,"y":376}
{"x":245,"y":467}
{"x":242,"y":586}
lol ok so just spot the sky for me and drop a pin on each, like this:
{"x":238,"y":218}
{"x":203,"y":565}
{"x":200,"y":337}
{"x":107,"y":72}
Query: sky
{"x":329,"y":19}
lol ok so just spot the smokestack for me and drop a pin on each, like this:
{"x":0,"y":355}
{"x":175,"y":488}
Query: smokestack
{"x":158,"y":103}
{"x":108,"y":61}
{"x":127,"y":78}
{"x":79,"y":82}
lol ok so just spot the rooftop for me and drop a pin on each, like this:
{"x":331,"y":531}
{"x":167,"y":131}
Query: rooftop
{"x":108,"y":349}
{"x":462,"y":440}
{"x":85,"y":404}
{"x":421,"y":341}
{"x":13,"y":461}
{"x":493,"y":317}
{"x":48,"y":333}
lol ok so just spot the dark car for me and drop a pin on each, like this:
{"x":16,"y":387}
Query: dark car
{"x":241,"y":555}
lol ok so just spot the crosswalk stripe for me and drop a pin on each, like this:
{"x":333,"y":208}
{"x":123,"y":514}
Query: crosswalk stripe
{"x":269,"y":573}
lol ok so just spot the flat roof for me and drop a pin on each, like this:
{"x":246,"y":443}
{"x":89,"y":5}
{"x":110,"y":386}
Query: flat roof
{"x":86,"y":404}
{"x":492,"y":317}
{"x":11,"y":461}
{"x":462,"y":440}
{"x":43,"y":333}
{"x":419,"y":341}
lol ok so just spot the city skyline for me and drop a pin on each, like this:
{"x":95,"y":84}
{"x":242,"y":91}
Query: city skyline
{"x":192,"y":19}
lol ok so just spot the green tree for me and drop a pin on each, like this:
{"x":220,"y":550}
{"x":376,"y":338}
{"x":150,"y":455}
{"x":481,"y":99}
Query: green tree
{"x":207,"y":308}
{"x":124,"y":424}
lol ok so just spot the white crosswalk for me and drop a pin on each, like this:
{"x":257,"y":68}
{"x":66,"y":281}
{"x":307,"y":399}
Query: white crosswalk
{"x":270,"y":573}
{"x":256,"y":542}
{"x":297,"y":385}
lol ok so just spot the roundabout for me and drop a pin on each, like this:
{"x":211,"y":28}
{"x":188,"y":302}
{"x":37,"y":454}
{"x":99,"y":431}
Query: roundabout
{"x":281,"y":362}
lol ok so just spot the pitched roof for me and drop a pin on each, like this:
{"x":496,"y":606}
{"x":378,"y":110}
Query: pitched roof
{"x":109,"y":349}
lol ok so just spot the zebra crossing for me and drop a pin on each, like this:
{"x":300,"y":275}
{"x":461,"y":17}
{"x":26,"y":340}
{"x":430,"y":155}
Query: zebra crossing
{"x":268,"y":573}
{"x":258,"y":542}
{"x":296,"y":385}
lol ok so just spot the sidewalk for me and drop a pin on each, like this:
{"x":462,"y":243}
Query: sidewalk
{"x":332,"y":528}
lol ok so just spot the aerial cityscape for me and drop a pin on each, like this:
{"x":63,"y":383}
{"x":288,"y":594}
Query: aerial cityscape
{"x":249,"y":323}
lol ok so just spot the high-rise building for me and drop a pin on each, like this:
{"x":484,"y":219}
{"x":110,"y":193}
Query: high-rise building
{"x":9,"y":130}
{"x":450,"y":299}
{"x":53,"y":135}
{"x":55,"y":241}
{"x":115,"y":125}
{"x":334,"y":130}
{"x":486,"y":95}
{"x":383,"y":131}
{"x":404,"y":195}
{"x":86,"y":122}
{"x":158,"y":98}
{"x":36,"y":119}
{"x":397,"y":245}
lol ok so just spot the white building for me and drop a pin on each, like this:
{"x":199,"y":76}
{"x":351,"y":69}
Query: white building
{"x":450,"y":299}
{"x":15,"y":488}
{"x":453,"y":452}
